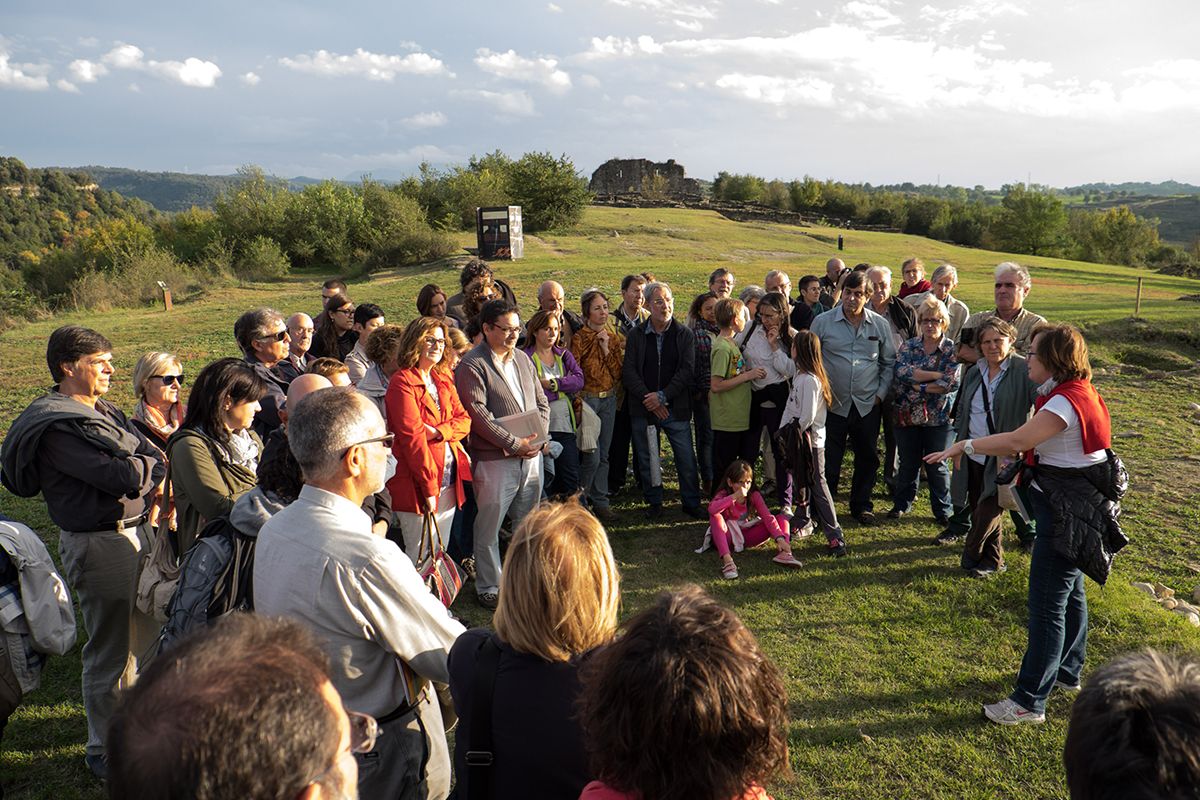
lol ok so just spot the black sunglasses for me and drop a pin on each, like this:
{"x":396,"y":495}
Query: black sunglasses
{"x":386,"y":440}
{"x":274,"y":337}
{"x":169,"y":379}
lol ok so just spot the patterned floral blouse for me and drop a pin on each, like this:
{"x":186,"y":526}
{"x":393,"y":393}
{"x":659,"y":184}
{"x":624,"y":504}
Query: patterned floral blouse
{"x":913,"y":405}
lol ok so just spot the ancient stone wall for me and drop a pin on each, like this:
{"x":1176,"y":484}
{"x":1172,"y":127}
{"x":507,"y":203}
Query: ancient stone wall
{"x":628,"y":176}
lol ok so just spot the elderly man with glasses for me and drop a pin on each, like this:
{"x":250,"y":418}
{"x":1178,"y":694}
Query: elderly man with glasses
{"x":319,"y":562}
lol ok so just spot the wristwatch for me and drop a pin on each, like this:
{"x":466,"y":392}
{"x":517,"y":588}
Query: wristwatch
{"x":969,"y":447}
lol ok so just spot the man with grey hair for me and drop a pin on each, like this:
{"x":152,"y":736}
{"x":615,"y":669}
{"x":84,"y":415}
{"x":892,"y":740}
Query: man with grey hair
{"x":263,"y":338}
{"x":800,"y":316}
{"x":551,"y":299}
{"x":388,"y":638}
{"x":659,"y":367}
{"x":1012,"y":287}
{"x":903,"y":321}
{"x":944,"y":280}
{"x":300,"y":336}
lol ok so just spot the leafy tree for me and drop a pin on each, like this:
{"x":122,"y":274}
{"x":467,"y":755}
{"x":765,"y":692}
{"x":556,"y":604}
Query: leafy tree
{"x":776,"y":195}
{"x":1031,"y":220}
{"x":477,"y":187}
{"x":549,"y":190}
{"x":324,"y":225}
{"x":1114,"y":236}
{"x":189,"y":234}
{"x":806,"y":194}
{"x":255,"y":206}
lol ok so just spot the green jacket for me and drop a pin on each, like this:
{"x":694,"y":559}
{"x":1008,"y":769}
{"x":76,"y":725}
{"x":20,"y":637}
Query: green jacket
{"x":204,"y":483}
{"x":1011,"y":409}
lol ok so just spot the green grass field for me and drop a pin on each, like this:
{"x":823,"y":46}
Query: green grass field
{"x":888,"y":653}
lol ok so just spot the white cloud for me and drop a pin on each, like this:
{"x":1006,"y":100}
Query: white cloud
{"x":554,"y":8}
{"x":66,"y":86}
{"x":190,"y":72}
{"x":778,"y":91}
{"x":395,"y":158}
{"x":88,"y":41}
{"x":250,"y":79}
{"x":133,"y":87}
{"x":426,"y":119}
{"x":669,"y":8}
{"x":613,"y":46}
{"x":1186,"y":70}
{"x":529,"y":70}
{"x":30,"y":77}
{"x":871,"y":15}
{"x":372,"y":66}
{"x":87,"y":71}
{"x":516,"y":104}
{"x":634,"y":102}
{"x":969,"y":11}
{"x":690,"y":25}
{"x":590,"y":81}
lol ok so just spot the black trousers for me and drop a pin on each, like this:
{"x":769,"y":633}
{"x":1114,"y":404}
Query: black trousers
{"x":863,"y":434}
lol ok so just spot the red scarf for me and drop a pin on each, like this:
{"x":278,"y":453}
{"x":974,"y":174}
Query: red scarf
{"x":1094,"y":423}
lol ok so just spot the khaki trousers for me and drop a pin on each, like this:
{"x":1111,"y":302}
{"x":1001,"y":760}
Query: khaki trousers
{"x":102,"y":568}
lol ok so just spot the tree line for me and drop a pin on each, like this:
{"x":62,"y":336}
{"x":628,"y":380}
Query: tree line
{"x":1019,"y":219}
{"x":68,"y":244}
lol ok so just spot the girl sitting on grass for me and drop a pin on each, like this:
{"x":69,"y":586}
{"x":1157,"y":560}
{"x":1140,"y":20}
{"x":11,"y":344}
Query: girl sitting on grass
{"x":739,"y":517}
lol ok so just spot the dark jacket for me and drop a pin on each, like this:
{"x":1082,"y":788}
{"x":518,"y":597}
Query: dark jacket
{"x":640,"y":351}
{"x":267,"y":419}
{"x":1087,"y":516}
{"x":802,"y":316}
{"x":1010,"y":410}
{"x":91,"y":465}
{"x":902,"y":316}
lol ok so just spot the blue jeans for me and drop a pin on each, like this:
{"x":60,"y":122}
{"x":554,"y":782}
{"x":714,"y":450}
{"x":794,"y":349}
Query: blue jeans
{"x":914,"y":442}
{"x":593,"y":466}
{"x":679,"y":434}
{"x":1058,"y":617}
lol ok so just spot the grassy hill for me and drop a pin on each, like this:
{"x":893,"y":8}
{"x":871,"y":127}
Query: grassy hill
{"x":1179,"y":217}
{"x":889,"y":653}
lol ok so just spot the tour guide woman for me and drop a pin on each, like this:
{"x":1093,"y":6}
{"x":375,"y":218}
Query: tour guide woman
{"x":1075,"y":502}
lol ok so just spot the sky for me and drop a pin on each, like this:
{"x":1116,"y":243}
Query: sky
{"x":980,"y":92}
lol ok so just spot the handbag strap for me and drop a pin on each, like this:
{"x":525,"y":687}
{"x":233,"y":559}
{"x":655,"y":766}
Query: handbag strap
{"x":480,"y":757}
{"x":431,"y":533}
{"x":987,"y":406}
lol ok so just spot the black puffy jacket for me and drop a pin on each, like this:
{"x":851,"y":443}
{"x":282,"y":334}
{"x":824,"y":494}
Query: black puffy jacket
{"x":1087,"y":516}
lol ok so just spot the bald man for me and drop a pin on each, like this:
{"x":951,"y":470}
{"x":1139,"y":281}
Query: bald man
{"x":551,"y":299}
{"x":831,"y":282}
{"x":377,"y":506}
{"x":300,"y":337}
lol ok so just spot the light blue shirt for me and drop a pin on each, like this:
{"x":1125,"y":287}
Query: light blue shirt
{"x":858,"y":361}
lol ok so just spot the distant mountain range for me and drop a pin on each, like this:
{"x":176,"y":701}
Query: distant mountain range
{"x":171,"y":191}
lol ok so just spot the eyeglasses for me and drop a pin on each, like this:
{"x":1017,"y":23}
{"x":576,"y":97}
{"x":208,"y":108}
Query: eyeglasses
{"x":386,"y":439}
{"x":346,"y":311}
{"x":1007,"y":285}
{"x":431,"y":341}
{"x":167,"y":380}
{"x":931,"y":321}
{"x":364,"y":730}
{"x":274,"y":337}
{"x":509,"y":331}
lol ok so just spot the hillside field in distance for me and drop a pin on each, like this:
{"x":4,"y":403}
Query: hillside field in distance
{"x":888,"y":653}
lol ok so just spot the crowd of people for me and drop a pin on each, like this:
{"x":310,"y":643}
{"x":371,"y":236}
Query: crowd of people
{"x":340,"y":442}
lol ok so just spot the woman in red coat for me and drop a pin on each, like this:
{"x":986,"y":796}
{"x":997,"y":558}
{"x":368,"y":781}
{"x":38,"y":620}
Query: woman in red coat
{"x":429,"y":421}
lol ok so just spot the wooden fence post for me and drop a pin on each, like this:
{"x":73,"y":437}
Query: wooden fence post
{"x":1137,"y":306}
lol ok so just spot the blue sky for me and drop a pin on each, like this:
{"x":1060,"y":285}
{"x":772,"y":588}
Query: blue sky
{"x":977,"y":92}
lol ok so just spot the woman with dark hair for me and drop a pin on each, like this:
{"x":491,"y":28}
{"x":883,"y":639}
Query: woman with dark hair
{"x":333,"y":330}
{"x":559,"y":597}
{"x":429,"y":423}
{"x":769,"y":347}
{"x":599,"y":349}
{"x":684,"y":706}
{"x":1075,"y":495}
{"x":431,"y":302}
{"x":214,"y":454}
{"x":561,"y":378}
{"x":701,"y":318}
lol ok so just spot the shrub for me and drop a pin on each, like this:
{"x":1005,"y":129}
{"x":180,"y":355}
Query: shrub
{"x":262,"y":259}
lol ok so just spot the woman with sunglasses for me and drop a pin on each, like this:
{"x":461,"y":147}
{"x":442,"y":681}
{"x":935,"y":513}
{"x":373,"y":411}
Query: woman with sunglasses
{"x":214,"y":454}
{"x":158,"y":386}
{"x":429,"y":423}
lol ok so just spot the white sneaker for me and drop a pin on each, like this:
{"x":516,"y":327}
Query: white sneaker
{"x":1067,"y":687}
{"x":804,"y":532}
{"x":788,"y":511}
{"x":1009,"y":712}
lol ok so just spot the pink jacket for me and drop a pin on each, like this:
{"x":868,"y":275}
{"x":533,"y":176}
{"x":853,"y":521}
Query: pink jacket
{"x":725,"y":506}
